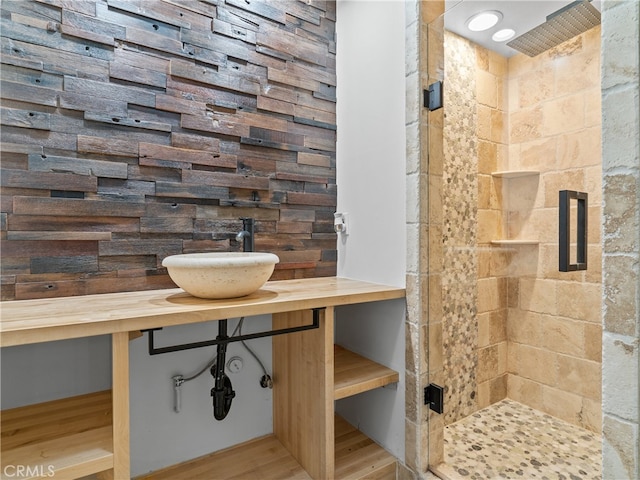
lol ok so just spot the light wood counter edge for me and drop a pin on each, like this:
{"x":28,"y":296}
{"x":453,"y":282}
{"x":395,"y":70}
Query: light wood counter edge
{"x":42,"y":320}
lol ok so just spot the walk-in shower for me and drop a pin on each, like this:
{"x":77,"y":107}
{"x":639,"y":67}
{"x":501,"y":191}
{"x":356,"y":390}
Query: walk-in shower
{"x":517,"y":342}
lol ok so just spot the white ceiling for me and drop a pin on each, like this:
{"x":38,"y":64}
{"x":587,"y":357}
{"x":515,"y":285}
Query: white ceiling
{"x":520,"y":15}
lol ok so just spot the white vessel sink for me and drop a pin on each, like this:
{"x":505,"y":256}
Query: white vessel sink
{"x":220,"y":274}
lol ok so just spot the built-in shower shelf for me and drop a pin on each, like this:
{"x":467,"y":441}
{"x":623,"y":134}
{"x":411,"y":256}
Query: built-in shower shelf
{"x":355,"y":374}
{"x":514,"y":242}
{"x":67,"y":438}
{"x":514,"y":173}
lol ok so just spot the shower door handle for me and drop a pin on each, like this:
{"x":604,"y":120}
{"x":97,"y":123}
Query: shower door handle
{"x":564,"y":239}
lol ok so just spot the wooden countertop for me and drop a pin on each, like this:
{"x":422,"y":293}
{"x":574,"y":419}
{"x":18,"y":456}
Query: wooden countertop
{"x":41,"y":320}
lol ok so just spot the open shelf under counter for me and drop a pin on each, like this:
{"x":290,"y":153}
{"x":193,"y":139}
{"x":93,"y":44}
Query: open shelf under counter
{"x":356,"y":456}
{"x":514,"y":173}
{"x":355,"y":374}
{"x":70,"y":438}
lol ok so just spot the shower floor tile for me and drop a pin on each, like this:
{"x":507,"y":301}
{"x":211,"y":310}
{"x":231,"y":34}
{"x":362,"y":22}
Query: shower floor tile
{"x":511,"y":440}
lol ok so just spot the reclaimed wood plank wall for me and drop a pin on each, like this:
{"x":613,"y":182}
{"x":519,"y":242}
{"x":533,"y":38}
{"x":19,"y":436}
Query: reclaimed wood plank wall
{"x":137,"y":129}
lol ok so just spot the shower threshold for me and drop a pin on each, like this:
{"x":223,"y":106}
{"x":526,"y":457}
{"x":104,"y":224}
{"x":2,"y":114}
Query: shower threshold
{"x":510,"y":440}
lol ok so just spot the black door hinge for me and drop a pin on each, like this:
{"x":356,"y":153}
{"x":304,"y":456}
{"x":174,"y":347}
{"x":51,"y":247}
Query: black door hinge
{"x":434,"y":397}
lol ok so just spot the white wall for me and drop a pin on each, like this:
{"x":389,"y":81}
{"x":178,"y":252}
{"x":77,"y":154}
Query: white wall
{"x":371,"y":188}
{"x":371,"y":139}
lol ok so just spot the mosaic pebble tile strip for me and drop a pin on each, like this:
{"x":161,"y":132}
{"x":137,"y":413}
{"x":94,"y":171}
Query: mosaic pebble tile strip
{"x":510,"y":440}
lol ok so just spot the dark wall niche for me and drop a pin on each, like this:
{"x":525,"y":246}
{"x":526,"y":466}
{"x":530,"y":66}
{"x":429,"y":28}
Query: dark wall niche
{"x":133,"y":130}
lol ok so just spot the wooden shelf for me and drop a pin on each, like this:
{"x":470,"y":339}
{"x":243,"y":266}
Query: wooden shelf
{"x":355,"y":374}
{"x":263,"y":457}
{"x":72,"y":437}
{"x":356,"y":456}
{"x":514,"y":242}
{"x":514,"y":173}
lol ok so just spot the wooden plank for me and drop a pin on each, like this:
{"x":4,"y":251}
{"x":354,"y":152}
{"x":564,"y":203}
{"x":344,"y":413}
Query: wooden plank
{"x":127,"y":122}
{"x":187,"y":190}
{"x":75,"y":207}
{"x":120,"y":389}
{"x":185,"y":155}
{"x":263,"y":457}
{"x":76,"y":101}
{"x":93,"y":25}
{"x":70,"y":224}
{"x":54,"y":419}
{"x":35,"y":248}
{"x":78,"y":166}
{"x":29,"y":321}
{"x":134,"y":95}
{"x":214,"y":123}
{"x":57,"y":61}
{"x":226,"y":179}
{"x":359,"y":457}
{"x":47,"y":181}
{"x":195,"y":142}
{"x":107,"y":146}
{"x":137,"y":75}
{"x":74,"y":456}
{"x":154,"y":11}
{"x":271,"y":10}
{"x":29,"y":94}
{"x":283,"y":41}
{"x":355,"y":374}
{"x":72,"y":437}
{"x":49,"y":235}
{"x":302,"y":400}
{"x":92,"y":36}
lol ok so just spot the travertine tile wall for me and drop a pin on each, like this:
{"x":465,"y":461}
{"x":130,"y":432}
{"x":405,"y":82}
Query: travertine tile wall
{"x":554,"y":325}
{"x":474,"y":276}
{"x":493,"y":262}
{"x":621,"y":238}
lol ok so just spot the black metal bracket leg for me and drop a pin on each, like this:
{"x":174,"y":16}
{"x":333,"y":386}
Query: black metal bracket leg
{"x":153,"y":350}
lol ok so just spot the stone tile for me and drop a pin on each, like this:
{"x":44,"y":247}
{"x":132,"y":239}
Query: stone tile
{"x":564,"y":405}
{"x":579,"y":376}
{"x":562,"y":115}
{"x":563,"y":335}
{"x":486,"y":88}
{"x":578,"y":72}
{"x":524,"y":391}
{"x":538,"y":154}
{"x":620,"y":109}
{"x":536,"y":87}
{"x":621,"y":60}
{"x":526,"y":125}
{"x":620,"y":213}
{"x":620,"y":374}
{"x":553,"y":182}
{"x":593,"y":342}
{"x":526,"y":327}
{"x":618,"y":452}
{"x":581,"y":301}
{"x":580,"y":149}
{"x":538,"y":295}
{"x":510,"y":440}
{"x":620,"y":297}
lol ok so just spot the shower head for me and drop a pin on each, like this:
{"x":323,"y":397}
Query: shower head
{"x":560,"y":26}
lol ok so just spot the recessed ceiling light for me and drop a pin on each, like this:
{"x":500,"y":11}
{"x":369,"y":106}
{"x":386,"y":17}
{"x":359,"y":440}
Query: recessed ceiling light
{"x":484,"y":20}
{"x":503,"y":35}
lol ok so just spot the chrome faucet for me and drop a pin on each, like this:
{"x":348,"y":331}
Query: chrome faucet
{"x":246,"y":234}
